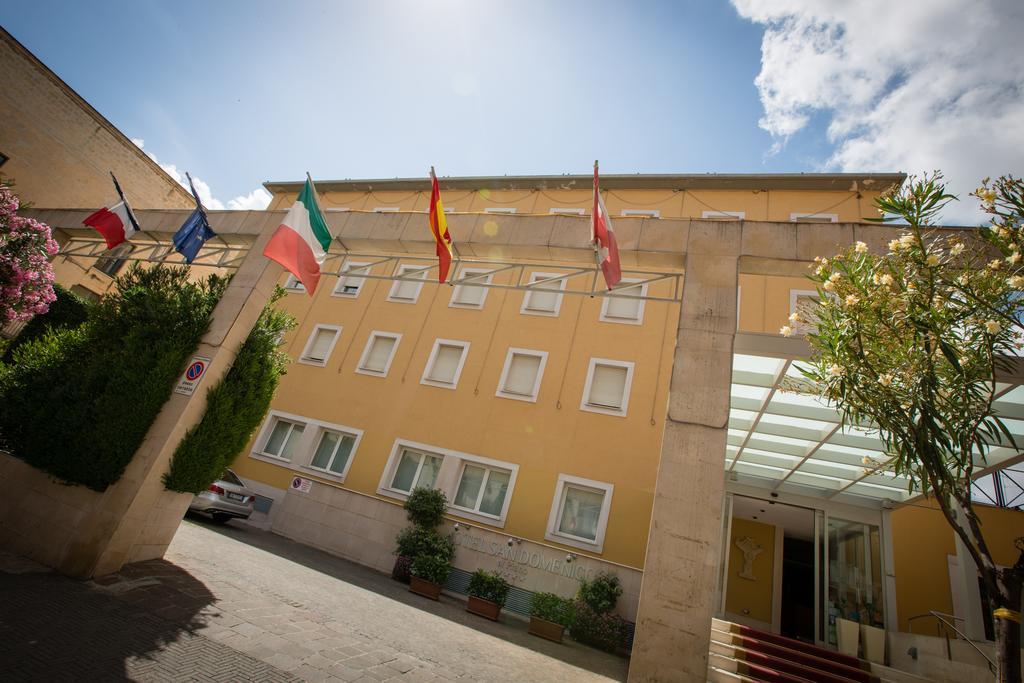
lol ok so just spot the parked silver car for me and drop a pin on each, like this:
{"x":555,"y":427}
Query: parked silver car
{"x":226,"y":498}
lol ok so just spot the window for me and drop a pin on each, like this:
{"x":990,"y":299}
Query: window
{"x":468,"y":296}
{"x":85,"y":293}
{"x":520,"y":378}
{"x":292,"y":284}
{"x":814,"y":217}
{"x":500,"y":209}
{"x":415,"y":470}
{"x":579,"y":512}
{"x":407,"y":291}
{"x":546,"y":298}
{"x":114,"y":259}
{"x":378,"y":354}
{"x":321,"y":343}
{"x":284,"y":435}
{"x":445,"y":363}
{"x":334,"y":452}
{"x":566,"y":212}
{"x":607,"y":389}
{"x":623,"y":310}
{"x":647,"y":213}
{"x":385,"y":209}
{"x":723,"y":215}
{"x":350,"y":284}
{"x":482,"y":489}
{"x":803,"y":302}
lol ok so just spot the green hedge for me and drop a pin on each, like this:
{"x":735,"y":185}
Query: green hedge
{"x":67,"y":310}
{"x":234,"y":408}
{"x":77,"y":402}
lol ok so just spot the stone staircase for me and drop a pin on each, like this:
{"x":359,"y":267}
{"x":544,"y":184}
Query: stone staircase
{"x":740,"y":653}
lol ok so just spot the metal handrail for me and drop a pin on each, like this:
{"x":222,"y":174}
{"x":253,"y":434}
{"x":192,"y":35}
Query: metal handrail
{"x":943,"y":625}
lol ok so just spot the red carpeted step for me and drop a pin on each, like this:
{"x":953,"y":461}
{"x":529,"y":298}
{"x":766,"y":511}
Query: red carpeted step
{"x":800,"y":646}
{"x":764,"y":673}
{"x":789,"y":666}
{"x":833,"y":669}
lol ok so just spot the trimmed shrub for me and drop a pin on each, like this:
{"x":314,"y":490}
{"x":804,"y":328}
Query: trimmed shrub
{"x":426,"y":507}
{"x":415,"y":541}
{"x":605,"y":631}
{"x":600,"y":593}
{"x":77,"y":403}
{"x":431,"y":568}
{"x":67,"y":310}
{"x":488,"y":586}
{"x":551,"y":607}
{"x":234,"y":407}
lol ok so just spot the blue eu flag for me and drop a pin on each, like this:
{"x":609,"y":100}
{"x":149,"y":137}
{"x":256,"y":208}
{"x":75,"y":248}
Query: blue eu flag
{"x":194,"y":231}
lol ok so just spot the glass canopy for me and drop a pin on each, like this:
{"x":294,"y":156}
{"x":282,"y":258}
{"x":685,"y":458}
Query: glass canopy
{"x":782,"y":437}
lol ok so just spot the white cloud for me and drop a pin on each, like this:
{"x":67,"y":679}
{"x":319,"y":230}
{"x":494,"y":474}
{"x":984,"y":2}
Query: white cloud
{"x":258,"y":199}
{"x":911,"y":86}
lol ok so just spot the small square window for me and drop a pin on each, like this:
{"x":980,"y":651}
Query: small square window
{"x":645,"y":213}
{"x":378,"y":354}
{"x":482,"y":489}
{"x":521,"y":376}
{"x":445,"y":363}
{"x":468,"y":296}
{"x":283,"y":438}
{"x":617,"y":308}
{"x":385,"y":209}
{"x":566,"y":212}
{"x":408,"y":290}
{"x":546,"y":296}
{"x":607,"y":389}
{"x":415,"y":470}
{"x":814,"y":217}
{"x":320,"y":344}
{"x":292,"y":284}
{"x":349,"y":283}
{"x":500,"y":209}
{"x":333,"y":453}
{"x":723,"y":215}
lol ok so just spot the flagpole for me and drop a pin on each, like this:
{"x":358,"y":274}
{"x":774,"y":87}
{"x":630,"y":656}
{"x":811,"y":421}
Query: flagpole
{"x":316,"y":198}
{"x":593,"y":234}
{"x":127,"y":208}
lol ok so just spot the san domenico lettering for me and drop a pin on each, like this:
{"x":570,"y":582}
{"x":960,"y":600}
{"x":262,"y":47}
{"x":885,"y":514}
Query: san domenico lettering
{"x":523,"y":557}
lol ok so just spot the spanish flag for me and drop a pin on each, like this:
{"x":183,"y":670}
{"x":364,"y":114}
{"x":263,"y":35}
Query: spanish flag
{"x":439,"y":226}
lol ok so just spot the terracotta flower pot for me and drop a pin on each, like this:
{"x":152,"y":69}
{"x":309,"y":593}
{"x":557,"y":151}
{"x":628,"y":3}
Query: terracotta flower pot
{"x":484,"y":608}
{"x":548,"y":630}
{"x":427,"y":589}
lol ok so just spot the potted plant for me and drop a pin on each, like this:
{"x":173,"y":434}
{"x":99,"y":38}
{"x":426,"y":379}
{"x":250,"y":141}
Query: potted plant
{"x":593,"y":621}
{"x":425,"y":509}
{"x":428,"y":575}
{"x":549,"y":616}
{"x":487,"y":593}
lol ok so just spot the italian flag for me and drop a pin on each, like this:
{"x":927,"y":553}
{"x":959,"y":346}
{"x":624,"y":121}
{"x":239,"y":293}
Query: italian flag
{"x":301,"y":242}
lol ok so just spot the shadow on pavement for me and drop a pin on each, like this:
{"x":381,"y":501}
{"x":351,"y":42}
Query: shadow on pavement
{"x":511,"y":629}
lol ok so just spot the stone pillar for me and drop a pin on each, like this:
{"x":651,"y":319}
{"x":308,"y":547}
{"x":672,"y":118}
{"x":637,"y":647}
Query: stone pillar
{"x":137,"y":518}
{"x":678,"y":591}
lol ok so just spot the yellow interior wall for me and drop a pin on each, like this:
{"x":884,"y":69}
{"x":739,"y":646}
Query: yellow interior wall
{"x":743,"y":596}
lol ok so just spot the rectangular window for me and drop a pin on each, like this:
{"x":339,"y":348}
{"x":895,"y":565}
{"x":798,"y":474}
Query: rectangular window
{"x":608,"y":384}
{"x":500,"y":209}
{"x":623,"y":310}
{"x":292,"y":284}
{"x":546,"y":297}
{"x":407,"y":291}
{"x":378,"y":354}
{"x":114,"y":260}
{"x":385,"y":209}
{"x":333,"y":453}
{"x":566,"y":212}
{"x":579,"y":512}
{"x":723,"y":215}
{"x":415,"y":470}
{"x":320,"y":344}
{"x":521,"y":376}
{"x":814,"y":217}
{"x":646,"y":213}
{"x":445,"y":363}
{"x":468,"y":296}
{"x":350,"y":284}
{"x":804,"y":303}
{"x":283,"y":438}
{"x":482,"y":489}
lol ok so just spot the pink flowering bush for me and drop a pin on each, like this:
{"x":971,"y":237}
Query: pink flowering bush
{"x":26,"y":277}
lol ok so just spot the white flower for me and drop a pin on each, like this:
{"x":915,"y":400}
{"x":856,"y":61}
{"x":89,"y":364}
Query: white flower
{"x":835,"y":370}
{"x":886,"y":280}
{"x":1013,"y":258}
{"x":860,"y":247}
{"x":907,"y":240}
{"x":819,"y":270}
{"x":885,"y":380}
{"x":851,"y":300}
{"x":786,"y":331}
{"x":835,"y":277}
{"x":995,"y":264}
{"x":794,"y":317}
{"x":932,"y":260}
{"x":957,"y":249}
{"x":992,"y":327}
{"x":867,"y":460}
{"x":894,"y":245}
{"x":828,"y":286}
{"x":962,"y":280}
{"x":1017,"y":282}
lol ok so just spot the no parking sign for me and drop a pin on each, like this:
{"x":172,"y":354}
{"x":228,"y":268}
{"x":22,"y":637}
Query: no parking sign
{"x":194,"y":372}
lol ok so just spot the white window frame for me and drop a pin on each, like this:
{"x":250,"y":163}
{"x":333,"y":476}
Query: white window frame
{"x":402,"y":270}
{"x":449,"y":209}
{"x":566,"y":481}
{"x":292,"y":284}
{"x":397,"y":336}
{"x":645,"y":213}
{"x":448,"y":477}
{"x":799,"y":329}
{"x":639,"y":320}
{"x":305,"y":448}
{"x":566,"y":211}
{"x":452,"y":303}
{"x":832,"y":217}
{"x":386,"y":209}
{"x":322,"y":427}
{"x":500,"y":209}
{"x":273,"y":417}
{"x":305,"y":359}
{"x":723,"y":215}
{"x":513,"y":351}
{"x":534,"y":276}
{"x":438,"y":343}
{"x":337,"y":291}
{"x":594,"y":362}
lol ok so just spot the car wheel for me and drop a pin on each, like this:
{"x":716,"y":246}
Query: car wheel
{"x":220,"y":518}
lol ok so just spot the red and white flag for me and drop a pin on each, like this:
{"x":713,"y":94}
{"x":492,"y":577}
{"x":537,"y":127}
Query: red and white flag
{"x":603,"y":237}
{"x":116,"y":222}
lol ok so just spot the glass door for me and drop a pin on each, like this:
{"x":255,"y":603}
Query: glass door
{"x":852,"y":560}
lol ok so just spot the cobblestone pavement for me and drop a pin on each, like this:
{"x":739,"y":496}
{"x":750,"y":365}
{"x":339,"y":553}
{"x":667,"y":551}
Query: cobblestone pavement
{"x":236,"y":603}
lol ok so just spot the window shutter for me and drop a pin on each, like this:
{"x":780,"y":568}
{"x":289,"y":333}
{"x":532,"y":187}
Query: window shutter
{"x":446,"y":362}
{"x":380,"y":351}
{"x":406,"y":289}
{"x":468,"y":295}
{"x":545,"y":297}
{"x":607,"y":386}
{"x":350,"y":283}
{"x":624,"y":309}
{"x":321,"y":343}
{"x":522,"y":374}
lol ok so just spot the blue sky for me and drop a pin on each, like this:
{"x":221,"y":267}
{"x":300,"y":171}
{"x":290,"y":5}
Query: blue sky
{"x":242,"y":92}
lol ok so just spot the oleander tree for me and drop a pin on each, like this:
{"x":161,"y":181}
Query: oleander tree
{"x":910,"y":341}
{"x":26,"y":277}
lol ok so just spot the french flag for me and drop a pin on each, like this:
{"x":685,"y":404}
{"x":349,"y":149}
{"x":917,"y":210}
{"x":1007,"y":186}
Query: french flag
{"x":116,"y":222}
